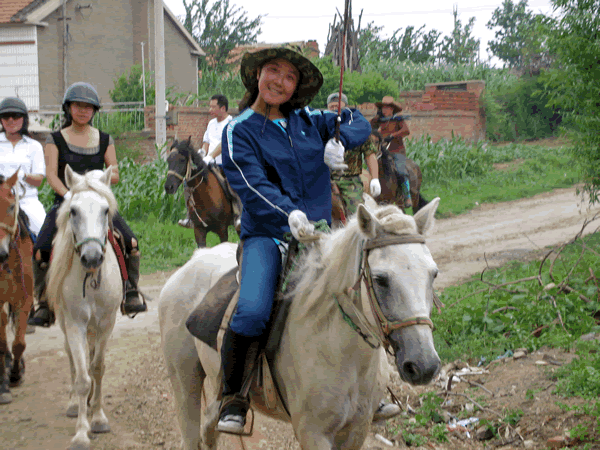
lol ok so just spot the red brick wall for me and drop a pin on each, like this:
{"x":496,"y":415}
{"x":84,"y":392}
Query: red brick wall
{"x":189,"y":121}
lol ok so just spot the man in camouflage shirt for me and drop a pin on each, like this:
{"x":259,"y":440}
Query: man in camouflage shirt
{"x":349,"y":182}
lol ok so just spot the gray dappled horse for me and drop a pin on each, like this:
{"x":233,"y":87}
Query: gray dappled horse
{"x":327,"y":373}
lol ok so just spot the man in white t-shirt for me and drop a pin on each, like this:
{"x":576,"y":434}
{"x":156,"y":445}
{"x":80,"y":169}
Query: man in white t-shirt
{"x":211,"y":148}
{"x":218,"y":107}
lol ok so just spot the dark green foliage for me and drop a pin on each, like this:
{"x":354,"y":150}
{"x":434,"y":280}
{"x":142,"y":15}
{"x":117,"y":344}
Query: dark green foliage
{"x":359,"y":87}
{"x":573,"y":83}
{"x":219,"y":28}
{"x":129,"y":87}
{"x":520,"y":111}
{"x":515,"y":25}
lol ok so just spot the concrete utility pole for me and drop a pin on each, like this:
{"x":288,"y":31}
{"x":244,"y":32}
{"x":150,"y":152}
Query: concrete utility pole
{"x":143,"y":73}
{"x":65,"y":43}
{"x":159,"y":73}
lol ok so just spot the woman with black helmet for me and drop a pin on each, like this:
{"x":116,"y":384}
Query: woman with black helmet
{"x":84,"y":148}
{"x":19,"y":151}
{"x":276,"y":155}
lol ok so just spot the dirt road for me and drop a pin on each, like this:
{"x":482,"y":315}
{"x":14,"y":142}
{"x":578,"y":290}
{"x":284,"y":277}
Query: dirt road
{"x":138,"y":399}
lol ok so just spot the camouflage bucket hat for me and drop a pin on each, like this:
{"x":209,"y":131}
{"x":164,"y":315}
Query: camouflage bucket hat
{"x":13,"y":105}
{"x":310,"y":81}
{"x":82,"y":92}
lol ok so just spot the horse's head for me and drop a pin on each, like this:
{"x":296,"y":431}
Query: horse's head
{"x":90,"y":211}
{"x":182,"y":157}
{"x":401,"y":271}
{"x":8,"y":214}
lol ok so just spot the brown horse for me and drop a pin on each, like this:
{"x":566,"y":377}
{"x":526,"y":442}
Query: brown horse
{"x":16,"y":285}
{"x":209,"y":201}
{"x":391,"y":191}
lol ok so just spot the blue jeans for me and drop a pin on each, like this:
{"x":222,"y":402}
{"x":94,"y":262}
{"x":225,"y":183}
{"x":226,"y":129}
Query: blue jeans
{"x":400,"y":163}
{"x":261,"y":266}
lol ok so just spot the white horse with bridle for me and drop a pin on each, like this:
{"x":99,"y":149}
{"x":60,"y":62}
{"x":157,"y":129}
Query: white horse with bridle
{"x":85,"y":291}
{"x":368,"y":284}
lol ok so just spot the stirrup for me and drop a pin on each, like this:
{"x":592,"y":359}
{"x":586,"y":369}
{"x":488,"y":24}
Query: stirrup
{"x":235,"y":423}
{"x":130,"y":309}
{"x":43,"y":316}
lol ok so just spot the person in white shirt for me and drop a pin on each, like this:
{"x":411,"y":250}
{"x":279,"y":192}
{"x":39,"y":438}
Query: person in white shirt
{"x":18,"y":151}
{"x":218,"y":107}
{"x":211,"y":143}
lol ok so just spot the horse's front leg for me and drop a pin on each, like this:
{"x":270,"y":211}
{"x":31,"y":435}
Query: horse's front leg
{"x":5,"y":395}
{"x":99,"y":419}
{"x":200,"y":236}
{"x":18,"y":346}
{"x":75,"y":334}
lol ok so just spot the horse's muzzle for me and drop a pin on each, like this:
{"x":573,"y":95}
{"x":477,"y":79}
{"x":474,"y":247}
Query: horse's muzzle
{"x":91,"y":259}
{"x":171,"y":185}
{"x":416,"y":358}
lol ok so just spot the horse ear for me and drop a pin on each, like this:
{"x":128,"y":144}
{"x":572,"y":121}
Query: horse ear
{"x":106,"y":176}
{"x":366,"y":221}
{"x":12,"y":180}
{"x":190,"y":140}
{"x":425,"y":218}
{"x":71,"y":178}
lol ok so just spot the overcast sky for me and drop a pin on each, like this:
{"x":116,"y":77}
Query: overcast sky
{"x":303,"y":20}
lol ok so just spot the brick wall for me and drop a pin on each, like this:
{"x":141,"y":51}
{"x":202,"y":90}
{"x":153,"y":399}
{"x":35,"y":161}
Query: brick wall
{"x":442,"y":110}
{"x":183,"y":122}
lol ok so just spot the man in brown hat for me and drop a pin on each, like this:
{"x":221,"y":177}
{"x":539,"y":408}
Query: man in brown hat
{"x":393,"y":129}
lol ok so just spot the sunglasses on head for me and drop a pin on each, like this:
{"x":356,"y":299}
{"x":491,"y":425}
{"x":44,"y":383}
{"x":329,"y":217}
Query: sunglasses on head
{"x":11,"y":115}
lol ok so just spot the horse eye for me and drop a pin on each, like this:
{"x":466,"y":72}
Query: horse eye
{"x":382,"y":281}
{"x":72,"y":212}
{"x":11,"y":208}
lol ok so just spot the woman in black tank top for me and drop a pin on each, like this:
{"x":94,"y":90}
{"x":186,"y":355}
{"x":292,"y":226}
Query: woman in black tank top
{"x":84,"y":148}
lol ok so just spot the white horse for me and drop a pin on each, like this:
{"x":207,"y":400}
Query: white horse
{"x":327,"y":372}
{"x":85,"y":291}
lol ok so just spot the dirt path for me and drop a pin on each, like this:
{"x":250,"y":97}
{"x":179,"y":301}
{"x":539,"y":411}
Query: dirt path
{"x":137,"y":392}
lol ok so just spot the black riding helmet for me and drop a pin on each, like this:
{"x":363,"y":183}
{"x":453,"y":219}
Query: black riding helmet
{"x":79,"y":92}
{"x":13,"y":105}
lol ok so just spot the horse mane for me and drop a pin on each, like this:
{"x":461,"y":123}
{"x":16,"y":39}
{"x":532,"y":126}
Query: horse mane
{"x":333,"y":266}
{"x":186,"y":150}
{"x":63,"y":243}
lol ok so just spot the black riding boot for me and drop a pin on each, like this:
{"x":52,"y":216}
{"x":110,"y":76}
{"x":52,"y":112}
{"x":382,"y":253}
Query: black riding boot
{"x":43,"y":316}
{"x":133,"y":302}
{"x":234,"y":352}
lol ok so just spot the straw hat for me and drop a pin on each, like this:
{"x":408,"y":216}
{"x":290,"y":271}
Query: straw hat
{"x":388,"y":100}
{"x":310,"y":81}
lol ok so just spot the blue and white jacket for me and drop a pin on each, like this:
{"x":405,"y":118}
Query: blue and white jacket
{"x":275,"y":172}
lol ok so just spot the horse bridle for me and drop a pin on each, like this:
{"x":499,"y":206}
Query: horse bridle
{"x":384,"y":326}
{"x":187,"y":178}
{"x":12,"y":230}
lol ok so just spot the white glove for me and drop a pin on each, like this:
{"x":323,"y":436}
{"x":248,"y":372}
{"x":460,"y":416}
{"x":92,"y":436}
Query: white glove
{"x":67,"y":196}
{"x":334,"y":155}
{"x":208,"y":159}
{"x":202,"y":152}
{"x":299,"y":224}
{"x":375,"y":187}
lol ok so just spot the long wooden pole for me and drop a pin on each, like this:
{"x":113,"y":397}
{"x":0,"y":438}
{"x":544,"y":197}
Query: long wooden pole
{"x":342,"y":67}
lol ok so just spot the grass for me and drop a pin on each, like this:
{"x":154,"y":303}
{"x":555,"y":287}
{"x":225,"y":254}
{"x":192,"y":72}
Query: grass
{"x":542,"y":169}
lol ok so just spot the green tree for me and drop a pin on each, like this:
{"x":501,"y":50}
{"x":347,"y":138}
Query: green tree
{"x":129,"y":87}
{"x":412,"y":45}
{"x":574,"y":38}
{"x":515,"y":23}
{"x":219,"y":27}
{"x":460,"y":47}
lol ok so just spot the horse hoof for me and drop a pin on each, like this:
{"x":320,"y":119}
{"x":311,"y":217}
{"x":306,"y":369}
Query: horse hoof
{"x":5,"y":398}
{"x":16,"y":381}
{"x":79,"y":446}
{"x":99,"y":427}
{"x":73,"y":411}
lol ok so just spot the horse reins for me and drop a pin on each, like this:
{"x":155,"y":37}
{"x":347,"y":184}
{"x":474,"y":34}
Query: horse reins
{"x":14,"y":233}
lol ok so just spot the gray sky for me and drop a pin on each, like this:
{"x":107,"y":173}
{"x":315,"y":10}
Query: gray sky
{"x":303,"y":20}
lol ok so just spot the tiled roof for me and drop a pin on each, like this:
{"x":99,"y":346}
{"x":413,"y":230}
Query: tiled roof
{"x":9,"y":8}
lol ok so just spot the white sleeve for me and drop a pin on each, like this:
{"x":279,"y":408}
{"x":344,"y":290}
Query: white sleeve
{"x":38,"y":165}
{"x":206,"y":138}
